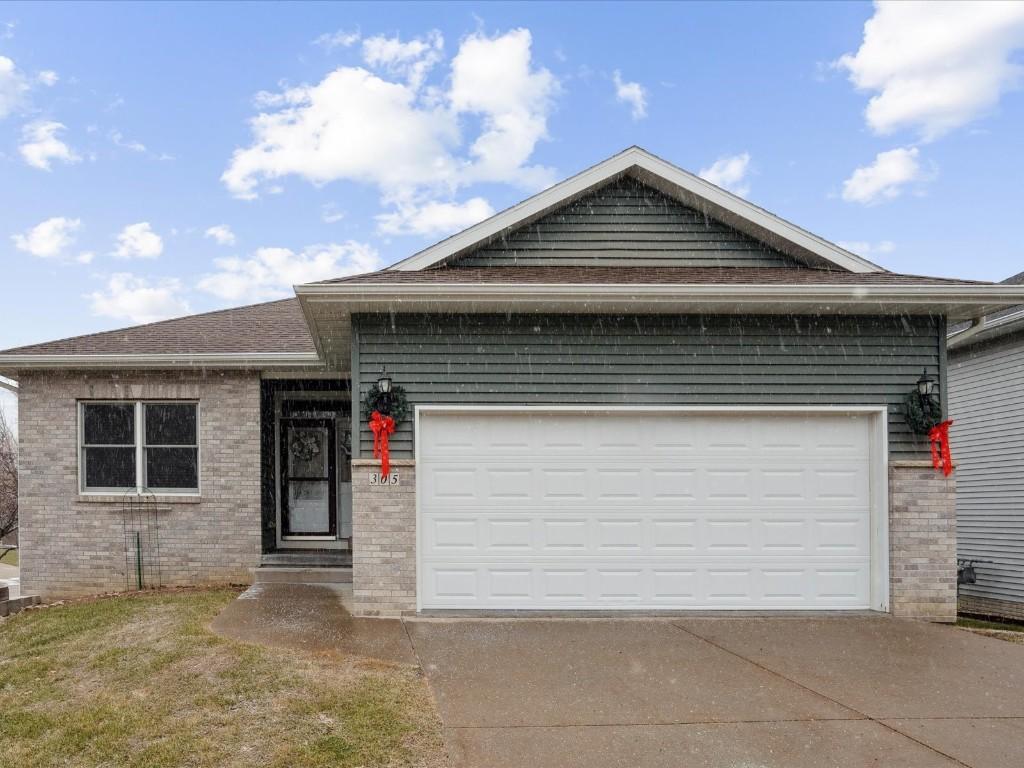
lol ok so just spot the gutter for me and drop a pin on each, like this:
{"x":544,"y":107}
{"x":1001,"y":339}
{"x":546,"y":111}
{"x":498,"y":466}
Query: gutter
{"x":648,"y":295}
{"x":977,"y":326}
{"x":982,"y":326}
{"x":219,"y":360}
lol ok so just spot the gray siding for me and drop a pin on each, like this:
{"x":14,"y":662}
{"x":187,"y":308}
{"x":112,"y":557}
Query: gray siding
{"x":650,"y":360}
{"x":986,"y":388}
{"x":627,"y":224}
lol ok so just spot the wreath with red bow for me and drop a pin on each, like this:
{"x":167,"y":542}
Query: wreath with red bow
{"x":923,"y":413}
{"x":399,"y":403}
{"x":924,"y":416}
{"x":383,"y":426}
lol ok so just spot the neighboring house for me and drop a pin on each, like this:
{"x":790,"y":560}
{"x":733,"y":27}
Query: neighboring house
{"x":986,"y":402}
{"x":634,"y":390}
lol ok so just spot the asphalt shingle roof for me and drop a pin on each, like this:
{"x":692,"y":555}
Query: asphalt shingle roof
{"x":276,"y":326}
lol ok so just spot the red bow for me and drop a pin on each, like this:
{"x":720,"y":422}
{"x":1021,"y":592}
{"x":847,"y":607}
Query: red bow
{"x":939,"y":439}
{"x":382,"y":427}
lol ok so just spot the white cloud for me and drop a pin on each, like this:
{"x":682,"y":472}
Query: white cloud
{"x":85,"y":257}
{"x":49,"y":239}
{"x":352,"y":125}
{"x":434,"y":218}
{"x":330,"y":214}
{"x":340,"y":39}
{"x":40,"y":145}
{"x":865,"y":248}
{"x":13,"y":87}
{"x":132,"y":298}
{"x":119,"y":140}
{"x":936,"y":66}
{"x":885,"y":178}
{"x":47,"y":77}
{"x":411,"y":61}
{"x":495,"y":78}
{"x":633,"y":94}
{"x":270,"y":273}
{"x":730,"y":172}
{"x":139,"y":241}
{"x":222,"y":234}
{"x":404,"y":137}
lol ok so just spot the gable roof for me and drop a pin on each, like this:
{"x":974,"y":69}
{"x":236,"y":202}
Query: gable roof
{"x":625,"y":223}
{"x":272,"y":333}
{"x":690,"y":190}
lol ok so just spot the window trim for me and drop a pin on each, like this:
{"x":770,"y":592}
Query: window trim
{"x":140,"y":488}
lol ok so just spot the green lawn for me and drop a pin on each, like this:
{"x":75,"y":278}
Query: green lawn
{"x":11,"y":558}
{"x":140,"y":681}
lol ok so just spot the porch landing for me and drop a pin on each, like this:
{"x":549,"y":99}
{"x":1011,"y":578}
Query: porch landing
{"x":308,"y":566}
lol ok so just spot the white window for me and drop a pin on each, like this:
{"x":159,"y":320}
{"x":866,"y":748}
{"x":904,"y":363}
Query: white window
{"x":135,"y":446}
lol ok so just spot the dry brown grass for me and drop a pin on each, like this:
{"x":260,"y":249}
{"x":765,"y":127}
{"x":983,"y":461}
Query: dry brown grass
{"x":140,"y":681}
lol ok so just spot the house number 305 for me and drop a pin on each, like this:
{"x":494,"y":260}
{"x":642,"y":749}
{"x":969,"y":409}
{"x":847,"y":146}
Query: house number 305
{"x":379,"y":478}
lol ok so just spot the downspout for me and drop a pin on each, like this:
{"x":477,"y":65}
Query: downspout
{"x":978,"y":324}
{"x":9,"y":384}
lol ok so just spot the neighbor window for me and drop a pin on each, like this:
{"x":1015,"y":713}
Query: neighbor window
{"x":140,"y":446}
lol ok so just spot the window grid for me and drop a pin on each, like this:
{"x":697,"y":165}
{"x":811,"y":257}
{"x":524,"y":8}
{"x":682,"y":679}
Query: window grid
{"x":141,"y":445}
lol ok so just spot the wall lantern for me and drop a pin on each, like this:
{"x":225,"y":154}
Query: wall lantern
{"x":384,"y":402}
{"x":926,"y":385}
{"x":923,"y":406}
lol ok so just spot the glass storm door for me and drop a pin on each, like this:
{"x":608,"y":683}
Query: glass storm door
{"x":308,"y":483}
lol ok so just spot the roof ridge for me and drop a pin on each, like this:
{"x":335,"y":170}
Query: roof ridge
{"x":730,"y":209}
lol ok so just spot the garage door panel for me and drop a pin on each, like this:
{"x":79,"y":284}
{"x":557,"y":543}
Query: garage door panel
{"x":558,"y":434}
{"x":832,"y":485}
{"x":755,"y":534}
{"x":608,"y":510}
{"x":598,"y":585}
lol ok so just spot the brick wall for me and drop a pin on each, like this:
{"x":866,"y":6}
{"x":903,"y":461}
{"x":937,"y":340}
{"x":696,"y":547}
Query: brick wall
{"x":383,"y":540}
{"x":74,"y":545}
{"x":922,"y":542}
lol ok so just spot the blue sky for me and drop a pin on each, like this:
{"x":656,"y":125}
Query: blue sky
{"x":159,"y":159}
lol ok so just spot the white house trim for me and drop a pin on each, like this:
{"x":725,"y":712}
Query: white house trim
{"x":958,"y":301}
{"x":16,"y":362}
{"x":689,"y":189}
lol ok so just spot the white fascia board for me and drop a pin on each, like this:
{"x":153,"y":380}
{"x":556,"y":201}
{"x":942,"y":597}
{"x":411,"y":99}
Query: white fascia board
{"x":958,"y":301}
{"x":236,"y":360}
{"x":670,"y":179}
{"x":984,"y":330}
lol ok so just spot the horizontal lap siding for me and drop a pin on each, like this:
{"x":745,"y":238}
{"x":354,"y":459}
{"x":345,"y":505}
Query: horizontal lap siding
{"x":627,"y":224}
{"x":650,"y":360}
{"x":985,"y":387}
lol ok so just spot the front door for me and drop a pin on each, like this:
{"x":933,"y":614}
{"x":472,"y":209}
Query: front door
{"x":308,"y":482}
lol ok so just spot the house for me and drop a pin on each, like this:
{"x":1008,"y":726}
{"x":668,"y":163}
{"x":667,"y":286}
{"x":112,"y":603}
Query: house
{"x":986,"y":380}
{"x":633,"y":390}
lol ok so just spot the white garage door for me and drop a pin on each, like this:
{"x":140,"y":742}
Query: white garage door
{"x":619,"y":509}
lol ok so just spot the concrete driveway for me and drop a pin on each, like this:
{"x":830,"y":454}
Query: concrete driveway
{"x":723,"y":692}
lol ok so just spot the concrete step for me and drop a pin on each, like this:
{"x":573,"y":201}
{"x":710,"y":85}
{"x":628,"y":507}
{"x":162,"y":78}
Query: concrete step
{"x":311,"y":558}
{"x":302,"y":575}
{"x":10,"y":606}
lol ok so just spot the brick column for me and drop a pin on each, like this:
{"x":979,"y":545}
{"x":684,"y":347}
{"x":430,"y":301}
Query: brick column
{"x":383,"y":540}
{"x":922,"y":541}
